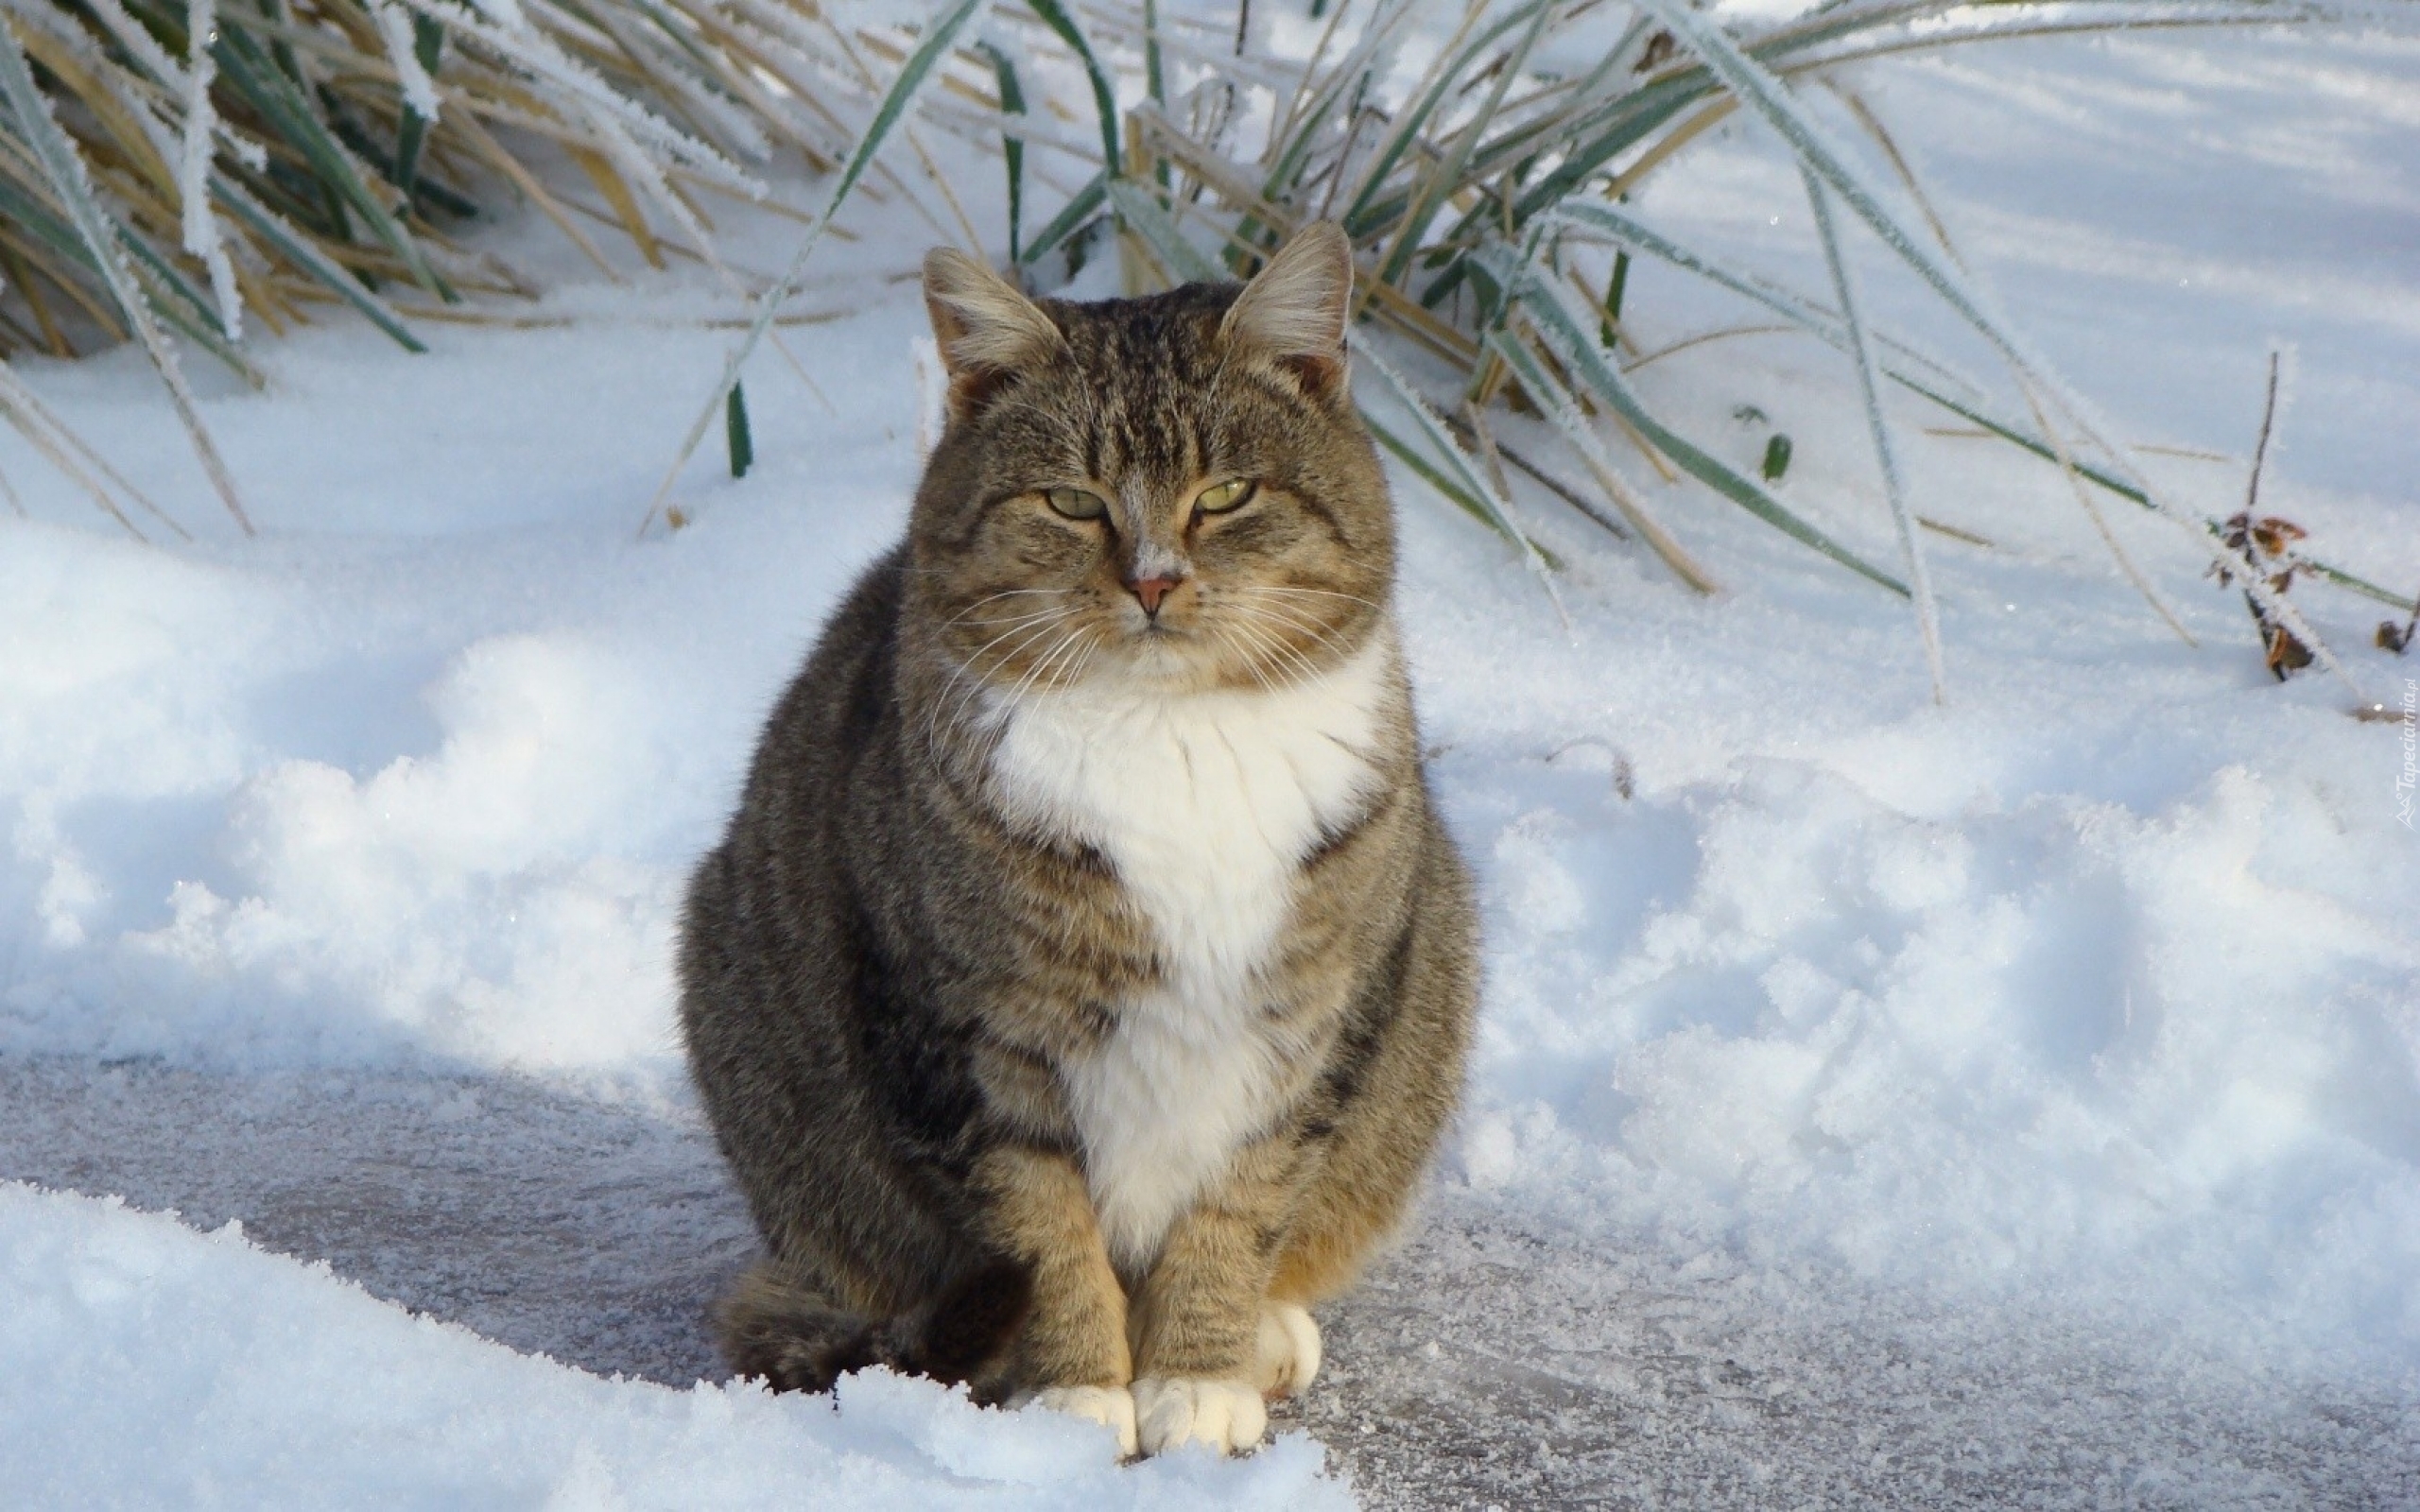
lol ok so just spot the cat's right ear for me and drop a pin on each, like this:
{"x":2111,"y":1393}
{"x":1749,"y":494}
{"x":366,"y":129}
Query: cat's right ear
{"x":1294,"y":311}
{"x":986,"y":330}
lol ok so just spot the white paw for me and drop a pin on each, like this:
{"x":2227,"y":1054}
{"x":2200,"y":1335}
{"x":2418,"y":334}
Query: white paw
{"x":1110,"y":1405}
{"x":1290,"y":1350}
{"x":1172,"y":1410}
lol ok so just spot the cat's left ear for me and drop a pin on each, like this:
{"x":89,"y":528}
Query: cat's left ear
{"x":986,"y":330}
{"x":1294,"y":310}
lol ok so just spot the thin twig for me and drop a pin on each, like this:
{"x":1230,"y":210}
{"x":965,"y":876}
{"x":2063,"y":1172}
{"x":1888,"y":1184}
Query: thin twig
{"x":2260,"y":448}
{"x":1546,"y":480}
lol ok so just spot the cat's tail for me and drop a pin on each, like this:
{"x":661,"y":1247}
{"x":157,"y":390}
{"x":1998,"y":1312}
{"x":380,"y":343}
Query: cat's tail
{"x":774,"y":1325}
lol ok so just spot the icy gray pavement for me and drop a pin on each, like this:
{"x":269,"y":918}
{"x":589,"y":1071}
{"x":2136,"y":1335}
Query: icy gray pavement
{"x":1485,"y":1364}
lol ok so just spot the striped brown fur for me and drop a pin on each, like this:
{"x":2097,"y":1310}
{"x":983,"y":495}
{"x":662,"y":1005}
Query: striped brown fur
{"x":957,"y":958}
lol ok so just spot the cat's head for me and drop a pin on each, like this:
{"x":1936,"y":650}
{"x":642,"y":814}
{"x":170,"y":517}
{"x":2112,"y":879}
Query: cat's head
{"x":1174,"y":490}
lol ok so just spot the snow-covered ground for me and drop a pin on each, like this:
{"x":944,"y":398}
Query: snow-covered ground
{"x":2012,"y":1102}
{"x":154,"y":1366}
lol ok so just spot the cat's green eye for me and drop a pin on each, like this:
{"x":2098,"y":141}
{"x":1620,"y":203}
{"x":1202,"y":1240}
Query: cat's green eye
{"x":1220,"y":497}
{"x":1076,"y":504}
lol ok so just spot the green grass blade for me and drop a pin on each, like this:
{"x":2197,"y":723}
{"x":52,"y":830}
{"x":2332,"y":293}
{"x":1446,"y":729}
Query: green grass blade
{"x":2025,"y":440}
{"x":1011,"y":144}
{"x":2361,"y":585}
{"x":428,"y":46}
{"x":736,"y":439}
{"x":1556,"y":402}
{"x":1576,"y":347}
{"x":277,"y":98}
{"x":1427,"y":472}
{"x":938,"y":40}
{"x":31,"y":215}
{"x":1759,"y":90}
{"x":203,"y":310}
{"x":1770,"y":98}
{"x":339,"y":280}
{"x":1615,"y":287}
{"x":1140,"y":209}
{"x":171,"y":296}
{"x":1056,"y":17}
{"x":1334,"y":93}
{"x":1071,"y":219}
{"x":1155,"y":84}
{"x":172,"y":301}
{"x":1968,"y":405}
{"x":188,"y":310}
{"x":1886,"y":456}
{"x":1623,"y":125}
{"x":1406,"y":130}
{"x":1463,"y":468}
{"x":1776,"y":463}
{"x":1911,"y":368}
{"x":1638,"y":236}
{"x":56,"y":151}
{"x":1448,"y":176}
{"x":1826,"y":326}
{"x":1576,"y":155}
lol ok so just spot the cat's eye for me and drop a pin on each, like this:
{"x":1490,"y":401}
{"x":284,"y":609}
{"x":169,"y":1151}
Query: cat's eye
{"x":1220,"y":497}
{"x":1076,"y":504}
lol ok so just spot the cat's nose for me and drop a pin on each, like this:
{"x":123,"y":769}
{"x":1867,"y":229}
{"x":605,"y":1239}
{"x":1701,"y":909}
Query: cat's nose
{"x":1150,"y":590}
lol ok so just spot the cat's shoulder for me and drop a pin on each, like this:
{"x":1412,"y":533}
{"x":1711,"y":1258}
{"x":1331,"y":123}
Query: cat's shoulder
{"x":839,"y":696}
{"x":875,"y":600}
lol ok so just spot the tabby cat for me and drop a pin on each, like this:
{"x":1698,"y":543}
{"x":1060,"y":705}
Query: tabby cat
{"x":1084,"y":980}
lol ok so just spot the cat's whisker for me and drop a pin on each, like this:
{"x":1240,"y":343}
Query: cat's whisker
{"x":1026,"y":683}
{"x":1302,"y":614}
{"x":1325,"y":635}
{"x":1074,"y":673}
{"x":971,"y":665}
{"x":1282,"y":591}
{"x":1040,"y":671}
{"x":1028,"y":638}
{"x":1268,"y":623}
{"x":1083,"y":663}
{"x":1308,"y":592}
{"x":1012,"y":592}
{"x":1225,"y":636}
{"x":1312,"y":609}
{"x":1254,"y":649}
{"x":1258,"y":650}
{"x":945,"y":710}
{"x":1092,"y":647}
{"x":1005,"y":593}
{"x":1041,"y":624}
{"x":1015,"y":620}
{"x":1291,"y":665}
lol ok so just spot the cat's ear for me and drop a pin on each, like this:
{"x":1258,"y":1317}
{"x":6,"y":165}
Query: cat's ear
{"x":1294,"y":310}
{"x":986,"y":329}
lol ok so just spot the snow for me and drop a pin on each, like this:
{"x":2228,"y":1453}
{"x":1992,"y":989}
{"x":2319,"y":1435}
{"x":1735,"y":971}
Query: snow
{"x":249,"y":1375}
{"x":2069,"y":1032}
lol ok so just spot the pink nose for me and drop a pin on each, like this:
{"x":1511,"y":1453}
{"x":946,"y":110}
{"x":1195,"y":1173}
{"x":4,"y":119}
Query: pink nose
{"x":1150,"y":591}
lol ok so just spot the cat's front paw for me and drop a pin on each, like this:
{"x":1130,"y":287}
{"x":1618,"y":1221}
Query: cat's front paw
{"x":1110,"y":1405}
{"x":1171,"y":1410}
{"x":1289,"y":1355}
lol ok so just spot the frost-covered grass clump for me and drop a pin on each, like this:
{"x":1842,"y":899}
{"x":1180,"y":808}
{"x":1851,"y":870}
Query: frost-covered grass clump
{"x":176,"y":167}
{"x":2085,"y":1005}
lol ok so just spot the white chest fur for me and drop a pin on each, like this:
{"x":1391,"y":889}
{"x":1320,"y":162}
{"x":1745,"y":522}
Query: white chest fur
{"x":1207,"y":804}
